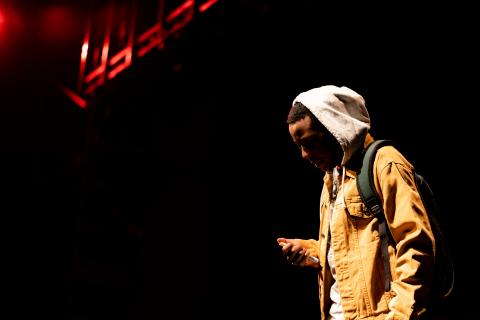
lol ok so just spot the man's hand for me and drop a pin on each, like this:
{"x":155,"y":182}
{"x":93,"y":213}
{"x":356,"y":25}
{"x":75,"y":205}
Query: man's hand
{"x":295,"y":253}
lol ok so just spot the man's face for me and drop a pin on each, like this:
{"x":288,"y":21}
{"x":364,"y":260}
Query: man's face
{"x":318,"y":147}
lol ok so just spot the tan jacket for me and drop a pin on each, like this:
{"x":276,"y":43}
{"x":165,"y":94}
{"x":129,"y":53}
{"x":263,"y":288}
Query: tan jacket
{"x":357,"y":246}
{"x":354,"y":233}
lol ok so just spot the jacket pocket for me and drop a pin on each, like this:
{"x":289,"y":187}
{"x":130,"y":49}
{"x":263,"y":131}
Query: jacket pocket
{"x":365,"y":224}
{"x":357,"y":208}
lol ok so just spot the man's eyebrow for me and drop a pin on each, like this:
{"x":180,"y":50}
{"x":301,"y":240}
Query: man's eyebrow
{"x":307,"y":138}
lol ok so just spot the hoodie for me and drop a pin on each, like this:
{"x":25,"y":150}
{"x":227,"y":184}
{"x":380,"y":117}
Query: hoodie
{"x":342,"y":111}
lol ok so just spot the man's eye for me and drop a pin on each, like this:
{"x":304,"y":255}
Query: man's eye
{"x":308,"y":145}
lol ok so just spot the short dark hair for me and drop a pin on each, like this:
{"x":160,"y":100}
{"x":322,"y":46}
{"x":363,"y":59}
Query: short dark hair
{"x":298,"y":112}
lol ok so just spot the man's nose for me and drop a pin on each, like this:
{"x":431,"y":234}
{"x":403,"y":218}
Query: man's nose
{"x":305,"y":154}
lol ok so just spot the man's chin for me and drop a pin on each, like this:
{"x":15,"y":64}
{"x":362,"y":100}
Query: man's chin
{"x":320,"y":166}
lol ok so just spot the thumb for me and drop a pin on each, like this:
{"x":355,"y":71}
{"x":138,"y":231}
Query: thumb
{"x":282,"y":240}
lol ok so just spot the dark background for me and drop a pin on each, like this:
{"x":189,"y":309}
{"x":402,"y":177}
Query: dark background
{"x":163,"y":198}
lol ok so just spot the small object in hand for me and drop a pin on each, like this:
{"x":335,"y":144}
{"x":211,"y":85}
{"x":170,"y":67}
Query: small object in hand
{"x":311,"y":258}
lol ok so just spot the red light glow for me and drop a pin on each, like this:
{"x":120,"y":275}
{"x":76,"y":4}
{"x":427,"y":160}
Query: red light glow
{"x":84,"y":51}
{"x":11,"y":23}
{"x":206,"y":5}
{"x":57,"y":23}
{"x":79,"y":101}
{"x":111,"y":42}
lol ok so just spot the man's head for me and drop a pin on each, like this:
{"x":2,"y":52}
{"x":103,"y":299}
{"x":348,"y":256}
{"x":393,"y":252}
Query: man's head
{"x":341,"y":113}
{"x":316,"y":143}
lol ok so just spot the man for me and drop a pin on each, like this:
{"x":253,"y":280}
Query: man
{"x":330,"y":125}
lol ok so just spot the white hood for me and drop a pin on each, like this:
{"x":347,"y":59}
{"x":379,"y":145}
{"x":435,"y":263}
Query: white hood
{"x":342,"y":111}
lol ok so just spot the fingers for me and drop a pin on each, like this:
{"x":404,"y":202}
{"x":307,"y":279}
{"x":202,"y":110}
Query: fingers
{"x":286,"y":247}
{"x":295,"y":253}
{"x":298,"y":257}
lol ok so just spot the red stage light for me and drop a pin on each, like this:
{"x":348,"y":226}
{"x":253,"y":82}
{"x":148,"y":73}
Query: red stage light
{"x":10,"y":26}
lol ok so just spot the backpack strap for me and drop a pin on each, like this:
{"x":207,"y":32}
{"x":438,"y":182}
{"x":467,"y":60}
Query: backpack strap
{"x":366,"y":188}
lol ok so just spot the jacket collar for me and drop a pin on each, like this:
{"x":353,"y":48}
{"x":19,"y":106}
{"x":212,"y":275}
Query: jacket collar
{"x":355,"y":162}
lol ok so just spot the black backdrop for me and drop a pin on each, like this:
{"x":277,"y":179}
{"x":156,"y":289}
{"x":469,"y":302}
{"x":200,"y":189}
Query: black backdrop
{"x":164,"y":198}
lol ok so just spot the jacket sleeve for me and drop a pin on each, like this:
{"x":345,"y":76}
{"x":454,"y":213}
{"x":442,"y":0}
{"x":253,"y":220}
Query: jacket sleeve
{"x":412,"y":259}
